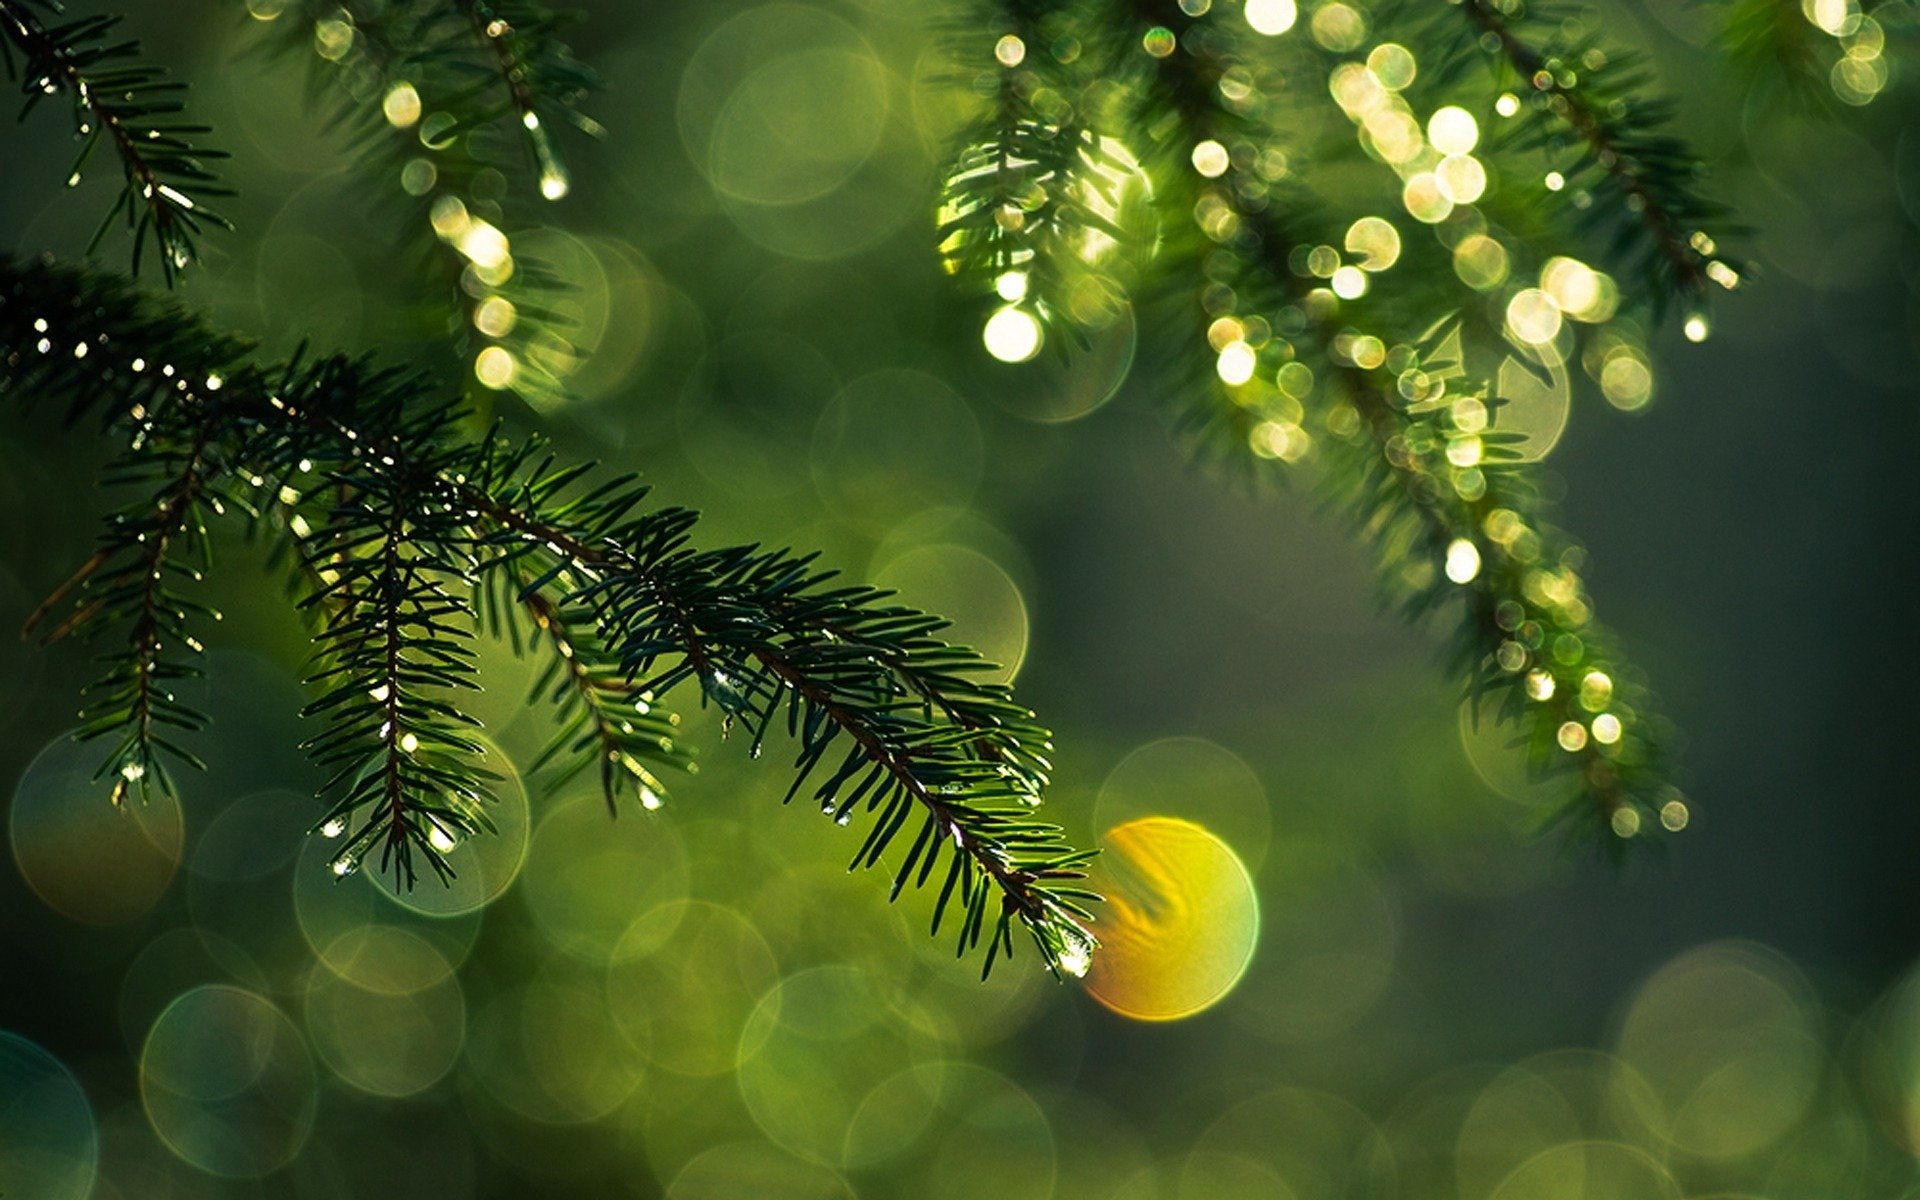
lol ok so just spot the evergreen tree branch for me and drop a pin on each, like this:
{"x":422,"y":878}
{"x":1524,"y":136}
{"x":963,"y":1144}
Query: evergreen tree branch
{"x":132,"y":107}
{"x":131,"y":582}
{"x":1582,"y":91}
{"x":541,"y":78}
{"x":431,"y":99}
{"x":605,"y":719}
{"x":393,"y":650}
{"x":1396,"y":429}
{"x":1030,"y":212}
{"x":888,"y":719}
{"x":762,"y":635}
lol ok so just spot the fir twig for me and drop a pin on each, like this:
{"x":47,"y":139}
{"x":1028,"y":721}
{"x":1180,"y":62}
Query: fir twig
{"x":1581,"y":89}
{"x":133,"y":581}
{"x":1031,"y":209}
{"x":435,"y":98}
{"x":129,"y":105}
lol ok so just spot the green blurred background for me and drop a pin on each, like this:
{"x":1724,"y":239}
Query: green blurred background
{"x":699,"y":1002}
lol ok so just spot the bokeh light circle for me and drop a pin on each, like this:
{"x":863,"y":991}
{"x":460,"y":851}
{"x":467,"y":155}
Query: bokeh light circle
{"x":755,"y":1169}
{"x":1533,"y":401}
{"x":1180,"y":922}
{"x":812,"y":1050}
{"x":1887,"y":1057}
{"x":329,"y":909}
{"x":227,"y":1082}
{"x":1320,"y":1146}
{"x":1196,"y":779}
{"x":88,"y":859}
{"x":1055,"y":389}
{"x":590,"y":875}
{"x":1496,"y":751}
{"x":1726,"y":1038}
{"x":1210,"y":1175}
{"x":1549,"y":1100}
{"x":684,"y":979}
{"x":969,"y":589}
{"x":894,"y":442}
{"x":953,"y":1129}
{"x":396,"y":1026}
{"x":552,"y":1052}
{"x":782,"y":104}
{"x":172,"y":963}
{"x":252,"y":837}
{"x":1589,"y":1171}
{"x":49,"y":1145}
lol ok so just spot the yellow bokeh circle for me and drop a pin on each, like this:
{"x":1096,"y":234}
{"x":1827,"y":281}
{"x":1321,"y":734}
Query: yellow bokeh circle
{"x":1180,"y":922}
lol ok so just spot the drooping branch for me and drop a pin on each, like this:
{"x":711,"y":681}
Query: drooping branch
{"x":132,"y":582}
{"x":1599,"y":99}
{"x":605,"y":718}
{"x":713,"y":611}
{"x":540,"y":77}
{"x":1398,"y":431}
{"x":1032,"y":213}
{"x":440,"y":98}
{"x":425,"y":515}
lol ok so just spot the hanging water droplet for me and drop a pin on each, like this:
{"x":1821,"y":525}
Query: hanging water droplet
{"x":1076,"y":954}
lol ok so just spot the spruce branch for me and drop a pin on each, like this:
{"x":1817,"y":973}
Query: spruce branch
{"x":1394,"y":425}
{"x":604,"y":718}
{"x":1813,"y":55}
{"x":606,"y":710}
{"x":890,"y":721}
{"x":134,"y":580}
{"x":765,"y":637}
{"x":1031,"y":212}
{"x":541,"y":79}
{"x":1594,"y":123}
{"x":394,"y":653}
{"x":131,"y":106}
{"x":438,"y":98}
